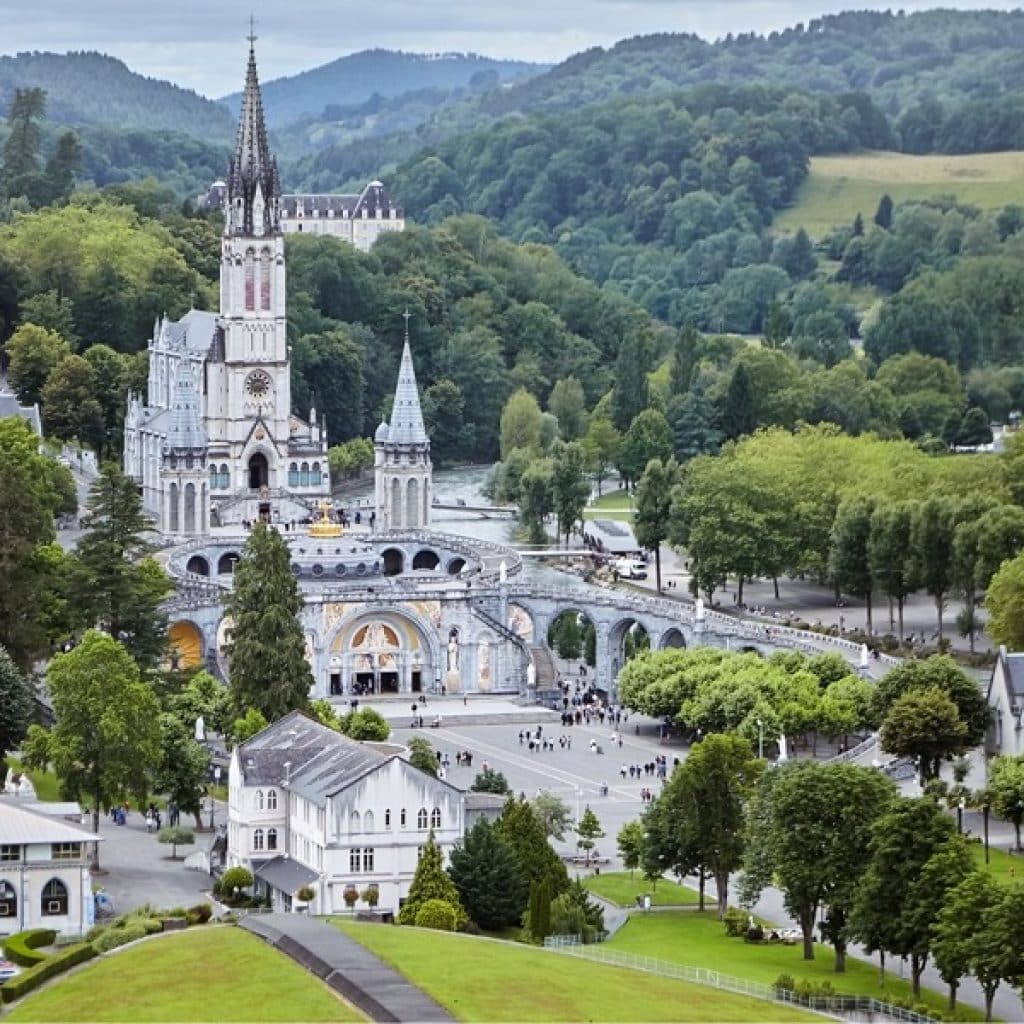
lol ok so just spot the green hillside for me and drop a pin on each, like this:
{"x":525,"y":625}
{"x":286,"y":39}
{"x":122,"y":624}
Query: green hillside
{"x":840,"y":187}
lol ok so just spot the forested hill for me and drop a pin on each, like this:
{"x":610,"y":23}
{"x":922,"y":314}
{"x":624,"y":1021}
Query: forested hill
{"x":356,"y":78}
{"x":92,"y":88}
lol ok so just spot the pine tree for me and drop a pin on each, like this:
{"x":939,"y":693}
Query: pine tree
{"x":520,"y":827}
{"x":539,"y":912}
{"x":684,"y":358}
{"x":486,"y":872}
{"x":737,"y":414}
{"x":883,"y":215}
{"x":115,"y":582}
{"x":62,"y":167}
{"x":630,"y":393}
{"x":858,"y":226}
{"x":431,"y":882}
{"x":15,"y":705}
{"x":589,"y":831}
{"x":21,"y":150}
{"x":269,"y":670}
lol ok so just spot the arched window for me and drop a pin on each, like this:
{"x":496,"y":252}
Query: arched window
{"x":435,"y":818}
{"x":225,"y":476}
{"x":250,"y":282}
{"x":412,"y":503}
{"x":271,"y":838}
{"x":402,"y":820}
{"x":293,"y":475}
{"x":421,"y":818}
{"x":304,"y":475}
{"x":271,"y":799}
{"x":259,"y":799}
{"x":387,"y":818}
{"x":8,"y":899}
{"x":172,"y":498}
{"x":214,"y":478}
{"x":257,"y":839}
{"x":314,"y":473}
{"x":54,"y":899}
{"x":354,"y":822}
{"x":265,"y":279}
{"x":368,"y":821}
{"x":190,"y":508}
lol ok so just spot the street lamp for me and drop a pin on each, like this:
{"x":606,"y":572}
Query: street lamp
{"x":760,"y":740}
{"x":960,"y":816}
{"x":211,"y":812}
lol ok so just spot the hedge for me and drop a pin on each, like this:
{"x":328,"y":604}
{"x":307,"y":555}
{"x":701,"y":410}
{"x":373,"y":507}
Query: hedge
{"x":58,"y":963}
{"x":118,"y":937}
{"x":22,"y":947}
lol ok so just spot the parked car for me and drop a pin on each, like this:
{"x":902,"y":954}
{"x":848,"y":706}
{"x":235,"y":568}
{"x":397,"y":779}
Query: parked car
{"x":631,"y":568}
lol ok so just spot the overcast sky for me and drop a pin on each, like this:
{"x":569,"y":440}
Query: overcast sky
{"x":200,"y":44}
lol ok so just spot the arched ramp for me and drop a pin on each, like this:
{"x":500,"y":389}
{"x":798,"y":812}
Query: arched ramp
{"x":199,"y":565}
{"x":672,"y":638}
{"x":394,"y":561}
{"x":186,"y":643}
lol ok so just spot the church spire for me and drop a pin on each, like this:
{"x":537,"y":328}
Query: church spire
{"x":406,"y":415}
{"x":254,"y":186}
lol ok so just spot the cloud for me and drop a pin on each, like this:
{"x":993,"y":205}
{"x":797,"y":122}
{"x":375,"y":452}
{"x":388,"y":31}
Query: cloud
{"x":201,"y":45}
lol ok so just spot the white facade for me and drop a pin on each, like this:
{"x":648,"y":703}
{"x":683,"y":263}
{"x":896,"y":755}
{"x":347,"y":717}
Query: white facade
{"x":357,"y":219}
{"x":215,"y":441}
{"x":44,"y":873}
{"x":345,"y":814}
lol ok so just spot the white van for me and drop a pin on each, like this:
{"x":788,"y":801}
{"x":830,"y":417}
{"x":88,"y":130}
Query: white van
{"x":631,"y":568}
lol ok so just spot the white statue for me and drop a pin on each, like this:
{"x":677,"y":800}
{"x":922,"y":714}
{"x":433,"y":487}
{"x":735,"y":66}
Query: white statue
{"x":699,"y":614}
{"x":865,"y":656}
{"x":783,"y":751}
{"x":453,"y":652}
{"x":503,"y":572}
{"x":200,"y":730}
{"x":531,"y":676}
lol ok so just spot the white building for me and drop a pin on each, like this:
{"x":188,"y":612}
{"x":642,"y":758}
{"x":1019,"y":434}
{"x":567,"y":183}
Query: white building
{"x":1006,"y":699}
{"x":44,"y":872}
{"x":357,"y":219}
{"x":310,"y":807}
{"x":215,"y":441}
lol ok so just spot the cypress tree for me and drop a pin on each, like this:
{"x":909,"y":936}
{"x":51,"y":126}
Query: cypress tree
{"x":520,"y":827}
{"x":737,"y":415}
{"x":269,"y":670}
{"x":431,"y":883}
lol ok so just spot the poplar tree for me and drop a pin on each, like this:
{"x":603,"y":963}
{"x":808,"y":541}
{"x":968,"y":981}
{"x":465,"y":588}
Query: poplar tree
{"x":267,"y":652}
{"x":654,"y":507}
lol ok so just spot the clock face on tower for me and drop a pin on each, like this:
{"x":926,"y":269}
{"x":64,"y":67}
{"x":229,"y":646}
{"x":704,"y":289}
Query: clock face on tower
{"x":257,"y":385}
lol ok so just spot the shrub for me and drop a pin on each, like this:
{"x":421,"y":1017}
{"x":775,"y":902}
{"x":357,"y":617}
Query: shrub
{"x":370,"y":895}
{"x":735,"y":922}
{"x":784,"y":983}
{"x":306,"y":894}
{"x":439,"y":914}
{"x":191,"y":918}
{"x":150,"y":925}
{"x":235,"y":878}
{"x":62,"y":961}
{"x":22,"y":947}
{"x":114,"y":937}
{"x":202,"y":911}
{"x":95,"y":932}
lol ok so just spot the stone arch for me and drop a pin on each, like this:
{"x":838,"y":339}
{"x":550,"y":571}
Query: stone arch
{"x":673,"y":637}
{"x":396,"y":504}
{"x":585,"y":642}
{"x":455,"y":566}
{"x":520,"y":621}
{"x":625,"y":638}
{"x":412,"y":503}
{"x":425,"y":559}
{"x":186,"y":643}
{"x":226,"y":563}
{"x":199,"y":565}
{"x":394,"y":561}
{"x":751,"y":649}
{"x":259,"y":471}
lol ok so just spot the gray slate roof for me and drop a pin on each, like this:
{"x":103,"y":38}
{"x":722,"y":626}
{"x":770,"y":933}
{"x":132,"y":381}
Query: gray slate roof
{"x":406,"y":416}
{"x":20,"y":826}
{"x":1013,"y":672}
{"x":375,"y":197}
{"x":194,"y":331}
{"x":317,"y":762}
{"x":616,"y":537}
{"x":286,"y":874}
{"x":186,"y":428}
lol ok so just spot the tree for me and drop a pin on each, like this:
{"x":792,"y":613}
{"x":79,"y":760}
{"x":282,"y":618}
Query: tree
{"x":431,"y":882}
{"x":553,"y":813}
{"x":588,"y":831}
{"x":536,"y":498}
{"x":915,"y":858}
{"x":601,"y":445}
{"x":33,"y":353}
{"x":883,"y":215}
{"x":520,"y":423}
{"x":649,"y":437}
{"x":106,"y":737}
{"x":1004,"y":601}
{"x":569,"y":486}
{"x":245,"y":727}
{"x":684,"y":358}
{"x":736,"y":414}
{"x":486,"y":872}
{"x":568,"y":403}
{"x":694,"y":424}
{"x":808,"y":827}
{"x":1006,"y":790}
{"x":21,"y":149}
{"x":181,"y":771}
{"x":365,"y":724}
{"x":707,"y":796}
{"x":422,"y":756}
{"x":849,"y":560}
{"x":72,"y":410}
{"x":630,"y":841}
{"x":267,"y":649}
{"x":176,"y":835}
{"x":924,"y":725}
{"x":630,"y":393}
{"x":653,"y":507}
{"x":15,"y":705}
{"x":62,"y":167}
{"x":931,"y":541}
{"x":889,"y":554}
{"x":114,"y":580}
{"x":523,"y":831}
{"x":490,"y":781}
{"x":539,"y":911}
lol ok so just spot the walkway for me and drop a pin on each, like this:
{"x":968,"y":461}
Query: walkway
{"x":349,"y":968}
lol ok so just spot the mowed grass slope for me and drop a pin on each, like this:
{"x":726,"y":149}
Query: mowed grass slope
{"x":485,"y":980}
{"x":202,"y":975}
{"x":622,"y":889}
{"x":840,"y":187}
{"x":699,"y":940}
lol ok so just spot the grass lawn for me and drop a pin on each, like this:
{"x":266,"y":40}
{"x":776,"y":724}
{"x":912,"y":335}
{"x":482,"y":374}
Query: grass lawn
{"x":840,"y":187}
{"x":611,"y":505}
{"x":45,"y":782}
{"x":619,"y":888}
{"x":203,"y":974}
{"x":699,"y":940}
{"x":478,"y":979}
{"x":1004,"y":867}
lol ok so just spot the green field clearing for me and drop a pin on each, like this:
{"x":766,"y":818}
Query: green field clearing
{"x":699,"y":940}
{"x":479,"y":979}
{"x":204,"y":974}
{"x":840,"y":187}
{"x":1006,"y":868}
{"x":619,"y":888}
{"x":611,"y":505}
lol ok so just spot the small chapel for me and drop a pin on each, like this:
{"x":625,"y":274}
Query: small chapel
{"x":214,"y":442}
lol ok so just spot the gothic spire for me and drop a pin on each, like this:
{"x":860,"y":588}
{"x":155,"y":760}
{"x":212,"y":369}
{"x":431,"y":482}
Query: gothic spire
{"x":254,"y":186}
{"x":406,"y":415}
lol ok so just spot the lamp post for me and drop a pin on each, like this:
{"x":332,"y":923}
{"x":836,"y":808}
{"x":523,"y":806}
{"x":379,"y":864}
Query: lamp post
{"x":760,"y":739}
{"x":960,"y":816}
{"x":211,"y":812}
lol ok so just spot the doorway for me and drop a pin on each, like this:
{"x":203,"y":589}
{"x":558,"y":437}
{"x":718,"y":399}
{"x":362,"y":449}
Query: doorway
{"x":363,"y":683}
{"x":259,"y":471}
{"x":335,"y":684}
{"x":417,"y":681}
{"x":389,"y":682}
{"x":264,"y":512}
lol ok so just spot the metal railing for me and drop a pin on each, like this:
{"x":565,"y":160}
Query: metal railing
{"x":835,"y":1006}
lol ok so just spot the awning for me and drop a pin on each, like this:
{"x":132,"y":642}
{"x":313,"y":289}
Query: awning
{"x":286,"y":874}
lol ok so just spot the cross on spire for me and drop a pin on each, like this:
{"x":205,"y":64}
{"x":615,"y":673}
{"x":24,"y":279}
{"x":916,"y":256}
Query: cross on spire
{"x":252,"y":32}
